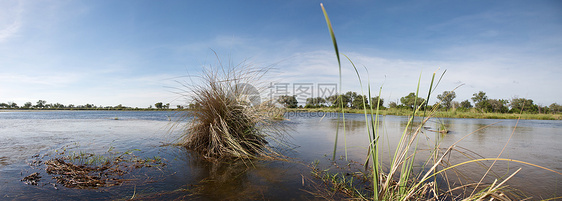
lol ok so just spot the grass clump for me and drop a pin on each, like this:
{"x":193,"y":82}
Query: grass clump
{"x":229,"y":119}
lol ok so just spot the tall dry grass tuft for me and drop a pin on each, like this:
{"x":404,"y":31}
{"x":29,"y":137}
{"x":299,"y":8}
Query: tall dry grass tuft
{"x":229,"y":118}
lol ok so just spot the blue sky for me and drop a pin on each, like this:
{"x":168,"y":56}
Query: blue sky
{"x":133,"y":52}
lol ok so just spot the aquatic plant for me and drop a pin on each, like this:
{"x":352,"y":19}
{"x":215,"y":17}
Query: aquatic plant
{"x":230,"y":120}
{"x":85,"y":170}
{"x":400,"y":181}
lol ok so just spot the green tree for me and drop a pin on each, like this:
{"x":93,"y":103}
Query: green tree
{"x":41,"y":104}
{"x":447,"y":98}
{"x":555,"y":108}
{"x":375,"y":100}
{"x":58,"y":106}
{"x":360,"y":102}
{"x":158,"y":105}
{"x":543,"y":109}
{"x":288,"y":101}
{"x":12,"y":105}
{"x":315,"y":102}
{"x":518,"y":104}
{"x":481,"y":101}
{"x":356,"y":101}
{"x":28,"y":105}
{"x":337,"y":100}
{"x":466,"y":104}
{"x":498,"y":105}
{"x":412,"y":101}
{"x":392,"y":104}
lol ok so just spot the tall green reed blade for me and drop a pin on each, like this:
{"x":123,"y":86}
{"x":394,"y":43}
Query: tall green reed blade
{"x":416,"y":97}
{"x":432,"y":88}
{"x":374,"y":144}
{"x":436,"y":150}
{"x":333,"y":36}
{"x":372,"y":140}
{"x":407,"y":166}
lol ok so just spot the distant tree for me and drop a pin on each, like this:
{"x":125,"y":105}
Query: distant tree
{"x":288,"y":101}
{"x":41,"y":104}
{"x":179,"y":107}
{"x":522,"y":104}
{"x":28,"y":105}
{"x":158,"y":105}
{"x":411,"y":101}
{"x":57,"y":106}
{"x":392,"y":104}
{"x":338,"y":100}
{"x":375,"y":100}
{"x":446,"y":98}
{"x":498,"y":105}
{"x":358,"y":101}
{"x":12,"y":105}
{"x":4,"y":105}
{"x":315,"y":102}
{"x":193,"y":106}
{"x":167,"y":106}
{"x":481,"y":101}
{"x":554,"y":108}
{"x":466,"y":104}
{"x":543,"y":109}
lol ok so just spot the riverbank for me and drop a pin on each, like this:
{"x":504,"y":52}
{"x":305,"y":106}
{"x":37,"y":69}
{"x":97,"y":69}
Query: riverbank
{"x":443,"y":114}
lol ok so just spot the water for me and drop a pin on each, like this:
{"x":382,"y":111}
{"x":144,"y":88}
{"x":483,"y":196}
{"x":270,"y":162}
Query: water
{"x":25,"y":134}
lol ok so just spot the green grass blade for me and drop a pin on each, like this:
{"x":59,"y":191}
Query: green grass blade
{"x":333,"y":36}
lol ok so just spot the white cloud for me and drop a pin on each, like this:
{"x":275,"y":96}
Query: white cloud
{"x":10,"y":19}
{"x":501,"y":74}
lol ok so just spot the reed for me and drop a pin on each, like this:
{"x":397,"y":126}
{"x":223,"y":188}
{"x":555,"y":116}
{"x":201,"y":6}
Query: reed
{"x":400,"y":181}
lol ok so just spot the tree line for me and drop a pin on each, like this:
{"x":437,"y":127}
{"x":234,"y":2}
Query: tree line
{"x":445,"y":101}
{"x":42,"y":104}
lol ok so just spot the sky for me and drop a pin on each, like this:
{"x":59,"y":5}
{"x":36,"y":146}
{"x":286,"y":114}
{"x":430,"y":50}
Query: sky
{"x":138,"y":52}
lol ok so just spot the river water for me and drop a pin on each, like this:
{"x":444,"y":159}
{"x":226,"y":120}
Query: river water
{"x":26,"y":134}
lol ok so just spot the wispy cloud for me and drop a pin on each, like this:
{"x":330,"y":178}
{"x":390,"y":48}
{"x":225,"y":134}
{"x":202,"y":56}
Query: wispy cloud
{"x":10,"y":19}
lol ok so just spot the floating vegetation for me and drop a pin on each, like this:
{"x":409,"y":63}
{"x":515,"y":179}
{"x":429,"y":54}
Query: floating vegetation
{"x":87,"y":170}
{"x":32,"y":179}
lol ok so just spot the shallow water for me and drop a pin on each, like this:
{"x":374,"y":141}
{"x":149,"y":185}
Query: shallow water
{"x":25,"y":134}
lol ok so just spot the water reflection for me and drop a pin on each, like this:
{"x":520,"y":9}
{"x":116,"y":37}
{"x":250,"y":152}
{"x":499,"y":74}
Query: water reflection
{"x":350,"y":124}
